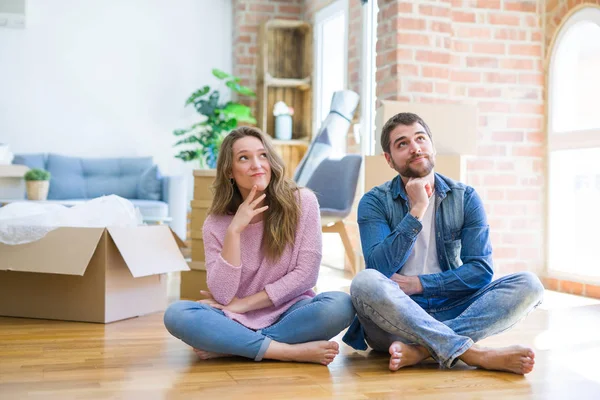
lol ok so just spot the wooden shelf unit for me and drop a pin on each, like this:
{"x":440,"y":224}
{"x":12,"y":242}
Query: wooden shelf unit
{"x":285,"y":74}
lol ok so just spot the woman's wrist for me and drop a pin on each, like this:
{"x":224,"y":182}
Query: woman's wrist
{"x":233,"y":231}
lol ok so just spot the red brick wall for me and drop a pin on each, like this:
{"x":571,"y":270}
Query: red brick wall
{"x":488,"y":53}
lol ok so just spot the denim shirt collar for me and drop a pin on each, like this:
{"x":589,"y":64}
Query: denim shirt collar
{"x":397,"y":187}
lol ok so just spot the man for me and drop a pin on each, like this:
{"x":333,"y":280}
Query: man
{"x":427,"y":289}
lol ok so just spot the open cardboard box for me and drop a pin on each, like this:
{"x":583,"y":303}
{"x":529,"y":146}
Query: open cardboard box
{"x":89,"y":274}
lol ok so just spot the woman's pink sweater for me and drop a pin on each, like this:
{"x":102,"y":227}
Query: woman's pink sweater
{"x":286,"y":280}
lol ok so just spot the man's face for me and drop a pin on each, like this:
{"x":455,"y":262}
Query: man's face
{"x":411,"y":152}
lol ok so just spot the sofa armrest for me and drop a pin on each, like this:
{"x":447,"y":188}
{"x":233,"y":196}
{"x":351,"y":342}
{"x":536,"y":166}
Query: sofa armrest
{"x":174,"y":193}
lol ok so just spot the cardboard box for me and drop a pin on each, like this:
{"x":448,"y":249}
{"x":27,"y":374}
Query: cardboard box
{"x":193,"y":281}
{"x":89,"y":274}
{"x":453,"y":126}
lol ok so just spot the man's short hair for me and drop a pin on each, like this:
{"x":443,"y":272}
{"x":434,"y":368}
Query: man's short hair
{"x":400,"y":119}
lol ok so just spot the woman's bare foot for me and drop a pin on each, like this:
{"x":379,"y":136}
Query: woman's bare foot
{"x":405,"y":355}
{"x":321,"y":352}
{"x":515,"y":359}
{"x":207,"y":355}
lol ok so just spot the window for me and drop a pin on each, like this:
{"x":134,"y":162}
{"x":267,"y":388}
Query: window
{"x":574,"y":147}
{"x":331,"y":49}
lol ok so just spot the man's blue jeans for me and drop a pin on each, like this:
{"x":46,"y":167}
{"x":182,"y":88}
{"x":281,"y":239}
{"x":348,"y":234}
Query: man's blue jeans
{"x":206,"y":328}
{"x":387,"y":314}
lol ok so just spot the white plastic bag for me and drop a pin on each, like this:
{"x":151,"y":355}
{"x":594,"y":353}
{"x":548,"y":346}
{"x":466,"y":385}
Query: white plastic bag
{"x":25,"y":222}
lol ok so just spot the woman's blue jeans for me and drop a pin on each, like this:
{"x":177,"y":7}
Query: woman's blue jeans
{"x":206,"y":328}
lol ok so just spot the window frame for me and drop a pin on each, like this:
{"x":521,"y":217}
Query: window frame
{"x":565,"y":140}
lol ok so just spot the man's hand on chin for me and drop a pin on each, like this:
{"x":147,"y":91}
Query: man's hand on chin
{"x":409,"y":284}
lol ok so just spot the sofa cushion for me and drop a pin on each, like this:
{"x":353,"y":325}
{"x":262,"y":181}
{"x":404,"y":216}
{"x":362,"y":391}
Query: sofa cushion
{"x":66,"y":180}
{"x":149,"y":186}
{"x":31,"y":160}
{"x":119,"y":176}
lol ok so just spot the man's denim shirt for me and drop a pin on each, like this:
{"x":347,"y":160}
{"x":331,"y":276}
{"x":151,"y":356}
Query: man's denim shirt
{"x":388,"y":233}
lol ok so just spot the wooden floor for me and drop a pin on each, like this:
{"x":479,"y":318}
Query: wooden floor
{"x":137,"y":359}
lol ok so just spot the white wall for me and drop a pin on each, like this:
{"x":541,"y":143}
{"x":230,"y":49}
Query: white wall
{"x":109,"y":77}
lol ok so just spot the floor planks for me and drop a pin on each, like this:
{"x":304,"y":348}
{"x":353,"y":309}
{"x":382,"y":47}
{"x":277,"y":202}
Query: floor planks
{"x":137,"y":359}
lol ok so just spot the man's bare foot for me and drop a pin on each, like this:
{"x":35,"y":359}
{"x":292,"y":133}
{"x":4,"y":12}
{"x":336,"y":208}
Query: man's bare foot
{"x":321,"y":352}
{"x":515,"y":359}
{"x":405,"y":355}
{"x":207,"y":355}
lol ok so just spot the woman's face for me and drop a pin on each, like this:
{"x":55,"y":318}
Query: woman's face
{"x":250,"y":165}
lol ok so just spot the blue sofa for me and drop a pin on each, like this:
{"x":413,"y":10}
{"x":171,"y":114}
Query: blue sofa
{"x":136,"y":179}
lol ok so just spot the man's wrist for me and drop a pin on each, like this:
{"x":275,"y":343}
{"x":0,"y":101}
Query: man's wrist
{"x":418,"y":212}
{"x":418,"y":285}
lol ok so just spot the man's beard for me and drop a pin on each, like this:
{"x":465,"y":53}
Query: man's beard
{"x":409,"y":171}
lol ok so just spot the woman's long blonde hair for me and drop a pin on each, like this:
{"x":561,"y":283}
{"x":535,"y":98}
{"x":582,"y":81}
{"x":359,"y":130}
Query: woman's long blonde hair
{"x":281,"y":218}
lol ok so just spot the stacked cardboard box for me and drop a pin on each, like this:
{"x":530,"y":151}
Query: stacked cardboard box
{"x":195,"y":280}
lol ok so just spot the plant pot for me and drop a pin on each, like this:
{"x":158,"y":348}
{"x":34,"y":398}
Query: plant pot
{"x":37,"y":190}
{"x":283,"y":127}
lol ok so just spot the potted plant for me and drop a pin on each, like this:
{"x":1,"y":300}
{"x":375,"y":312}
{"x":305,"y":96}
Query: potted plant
{"x":38,"y":182}
{"x":203,"y":139}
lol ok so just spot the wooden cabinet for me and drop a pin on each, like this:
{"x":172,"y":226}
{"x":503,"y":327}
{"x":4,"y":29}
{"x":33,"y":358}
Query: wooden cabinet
{"x":284,"y":73}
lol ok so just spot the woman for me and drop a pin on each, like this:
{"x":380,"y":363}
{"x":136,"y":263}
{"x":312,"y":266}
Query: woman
{"x":263,"y":250}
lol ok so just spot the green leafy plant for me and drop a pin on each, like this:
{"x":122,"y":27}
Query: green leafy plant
{"x":37,"y":174}
{"x":203,"y":139}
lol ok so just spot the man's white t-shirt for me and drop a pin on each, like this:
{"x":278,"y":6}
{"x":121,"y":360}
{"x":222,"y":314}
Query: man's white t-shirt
{"x":423,"y":259}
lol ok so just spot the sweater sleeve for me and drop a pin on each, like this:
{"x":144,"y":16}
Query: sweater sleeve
{"x":222,"y":278}
{"x":304,"y":275}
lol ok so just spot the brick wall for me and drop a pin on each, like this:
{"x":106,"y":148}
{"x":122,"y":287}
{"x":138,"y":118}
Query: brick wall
{"x":488,"y":53}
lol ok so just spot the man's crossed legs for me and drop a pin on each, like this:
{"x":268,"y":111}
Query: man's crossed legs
{"x":392,"y":321}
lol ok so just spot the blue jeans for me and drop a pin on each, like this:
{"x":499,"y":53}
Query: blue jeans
{"x":387,"y":314}
{"x":206,"y":328}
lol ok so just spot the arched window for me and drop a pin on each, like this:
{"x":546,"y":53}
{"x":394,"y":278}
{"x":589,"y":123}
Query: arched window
{"x":574,"y":147}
